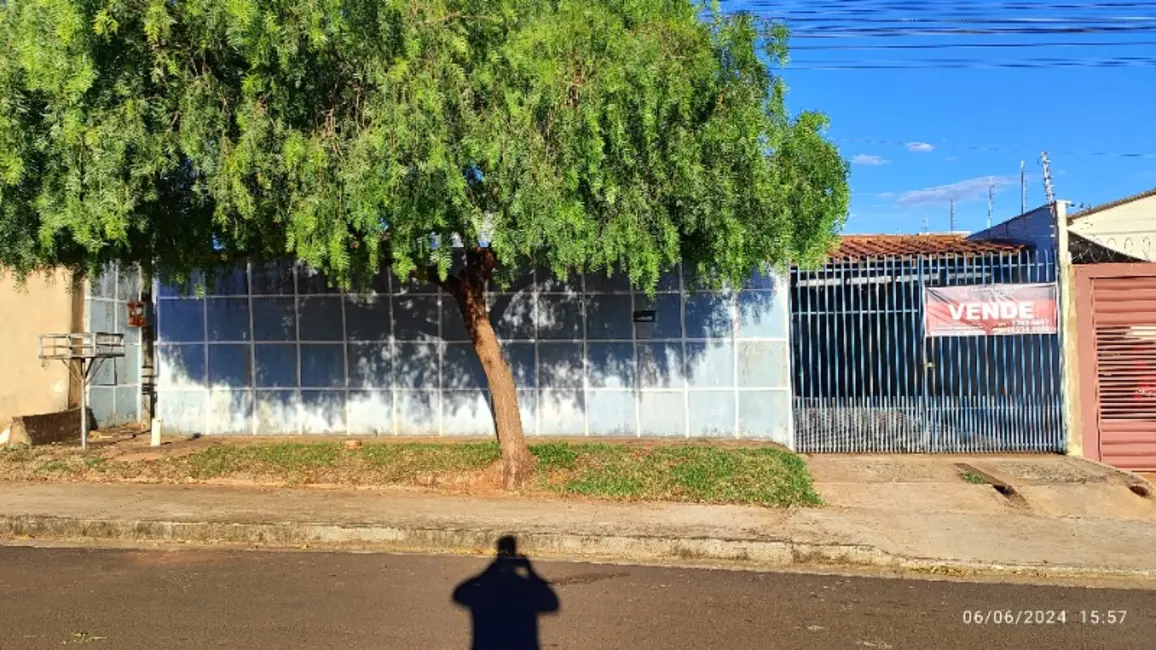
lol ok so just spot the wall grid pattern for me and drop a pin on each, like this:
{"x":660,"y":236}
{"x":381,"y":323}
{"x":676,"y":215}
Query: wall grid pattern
{"x":271,"y":349}
{"x":114,"y":393}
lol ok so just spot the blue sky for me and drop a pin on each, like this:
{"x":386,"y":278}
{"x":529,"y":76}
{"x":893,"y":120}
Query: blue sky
{"x":920,"y":137}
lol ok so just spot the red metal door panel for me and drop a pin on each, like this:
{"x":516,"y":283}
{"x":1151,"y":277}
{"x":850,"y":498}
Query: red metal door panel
{"x":1124,"y":317}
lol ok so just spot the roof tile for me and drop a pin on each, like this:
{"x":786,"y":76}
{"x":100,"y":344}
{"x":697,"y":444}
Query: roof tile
{"x":858,"y":246}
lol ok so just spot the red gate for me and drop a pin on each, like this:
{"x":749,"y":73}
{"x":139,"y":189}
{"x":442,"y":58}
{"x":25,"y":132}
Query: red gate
{"x":1116,"y":322}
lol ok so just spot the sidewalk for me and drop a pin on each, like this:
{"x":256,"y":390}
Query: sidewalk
{"x":955,"y":542}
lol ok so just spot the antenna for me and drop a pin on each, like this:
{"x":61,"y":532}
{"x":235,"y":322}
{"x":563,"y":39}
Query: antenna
{"x":926,"y":223}
{"x":952,"y":223}
{"x":990,"y":198}
{"x":1047,"y":178}
{"x":1023,"y":189}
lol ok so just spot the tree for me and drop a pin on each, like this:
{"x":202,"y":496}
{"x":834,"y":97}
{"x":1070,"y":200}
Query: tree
{"x":582,"y":136}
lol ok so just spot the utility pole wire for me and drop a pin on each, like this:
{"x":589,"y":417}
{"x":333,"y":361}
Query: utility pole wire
{"x":990,"y":198}
{"x":1047,"y":178}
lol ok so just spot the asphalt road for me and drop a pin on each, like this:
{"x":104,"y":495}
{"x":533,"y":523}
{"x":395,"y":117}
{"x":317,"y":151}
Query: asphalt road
{"x":53,"y":598}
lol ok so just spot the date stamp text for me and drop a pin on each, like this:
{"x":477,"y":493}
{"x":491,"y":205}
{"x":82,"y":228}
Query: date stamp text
{"x":1044,"y":617}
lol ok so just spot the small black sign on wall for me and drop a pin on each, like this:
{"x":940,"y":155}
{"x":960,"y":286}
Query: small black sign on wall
{"x":644,"y":316}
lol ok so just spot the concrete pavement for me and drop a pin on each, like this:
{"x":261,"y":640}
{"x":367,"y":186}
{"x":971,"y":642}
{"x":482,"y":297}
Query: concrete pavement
{"x":959,"y":542}
{"x":253,"y":600}
{"x":1042,"y":485}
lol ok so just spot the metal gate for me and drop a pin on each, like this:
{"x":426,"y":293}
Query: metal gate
{"x":1116,"y":307}
{"x":867,"y":379}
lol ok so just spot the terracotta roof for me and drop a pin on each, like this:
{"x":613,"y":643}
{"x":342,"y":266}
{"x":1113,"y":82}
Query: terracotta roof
{"x":1112,"y":204}
{"x":855,"y":246}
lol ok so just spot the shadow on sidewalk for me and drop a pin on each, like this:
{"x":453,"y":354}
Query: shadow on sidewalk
{"x":505,"y":601}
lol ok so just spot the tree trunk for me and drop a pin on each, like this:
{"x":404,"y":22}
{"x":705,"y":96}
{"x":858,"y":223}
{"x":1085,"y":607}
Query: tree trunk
{"x":469,"y":291}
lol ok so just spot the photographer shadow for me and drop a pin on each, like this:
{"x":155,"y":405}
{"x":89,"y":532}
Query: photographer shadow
{"x":505,"y":601}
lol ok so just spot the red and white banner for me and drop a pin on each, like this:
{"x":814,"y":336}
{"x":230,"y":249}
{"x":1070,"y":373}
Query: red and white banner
{"x":990,"y":310}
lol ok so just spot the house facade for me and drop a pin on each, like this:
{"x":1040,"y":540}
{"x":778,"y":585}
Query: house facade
{"x":832,"y":359}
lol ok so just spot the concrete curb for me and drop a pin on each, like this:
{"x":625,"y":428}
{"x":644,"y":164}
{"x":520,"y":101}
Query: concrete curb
{"x":743,"y":553}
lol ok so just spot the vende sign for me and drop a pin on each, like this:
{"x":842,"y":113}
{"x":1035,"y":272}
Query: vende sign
{"x":990,"y":310}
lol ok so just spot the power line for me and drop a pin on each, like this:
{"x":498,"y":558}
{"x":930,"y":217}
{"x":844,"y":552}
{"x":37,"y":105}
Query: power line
{"x":887,"y":25}
{"x":874,"y":19}
{"x":889,"y":18}
{"x":974,"y":64}
{"x":867,"y":8}
{"x":900,"y":32}
{"x":940,"y":46}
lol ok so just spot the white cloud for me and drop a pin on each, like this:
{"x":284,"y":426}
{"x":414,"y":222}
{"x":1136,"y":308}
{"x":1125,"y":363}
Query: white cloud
{"x":868,"y":160}
{"x":920,"y":147}
{"x":885,"y":195}
{"x":951,"y":158}
{"x":972,"y":189}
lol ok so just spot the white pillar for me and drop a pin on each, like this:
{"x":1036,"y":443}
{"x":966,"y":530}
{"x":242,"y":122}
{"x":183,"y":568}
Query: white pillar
{"x":1069,"y":350}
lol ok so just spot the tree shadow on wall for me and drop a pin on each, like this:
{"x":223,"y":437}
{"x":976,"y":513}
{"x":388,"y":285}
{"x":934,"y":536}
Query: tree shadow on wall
{"x":358,"y":362}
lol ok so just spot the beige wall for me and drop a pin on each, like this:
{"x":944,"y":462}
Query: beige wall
{"x":44,"y":304}
{"x":1129,"y":228}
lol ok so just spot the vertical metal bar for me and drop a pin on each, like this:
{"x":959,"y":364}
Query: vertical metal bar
{"x":83,"y":401}
{"x":1050,"y":366}
{"x":839,"y":342}
{"x":982,"y":419}
{"x":999,"y":363}
{"x":1013,"y":346}
{"x":1024,"y":271}
{"x":981,"y":391}
{"x":868,"y":354}
{"x":919,"y":348}
{"x":951,"y":365}
{"x":814,"y":368}
{"x":879,"y":359}
{"x":801,"y":311}
{"x":991,"y":368}
{"x":1044,"y":369}
{"x":830,"y":358}
{"x":848,"y":312}
{"x":946,"y":420}
{"x":1034,"y":402}
{"x":909,"y":325}
{"x":1029,"y":343}
{"x":1000,"y":370}
{"x":1042,"y":401}
{"x":853,"y":346}
{"x":964,"y":434}
{"x":896,"y":313}
{"x":807,"y":353}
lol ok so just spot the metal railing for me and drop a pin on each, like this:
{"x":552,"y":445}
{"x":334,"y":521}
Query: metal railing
{"x":867,"y":379}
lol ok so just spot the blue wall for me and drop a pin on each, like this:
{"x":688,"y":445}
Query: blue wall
{"x":273,"y":350}
{"x":1035,"y":229}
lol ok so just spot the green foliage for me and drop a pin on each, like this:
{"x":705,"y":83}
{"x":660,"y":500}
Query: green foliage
{"x":591,"y":135}
{"x":694,"y":472}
